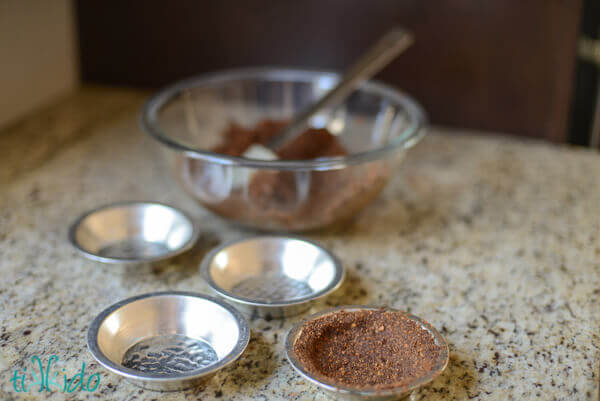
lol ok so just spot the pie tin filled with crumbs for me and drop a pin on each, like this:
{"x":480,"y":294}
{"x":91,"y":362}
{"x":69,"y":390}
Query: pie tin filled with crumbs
{"x":357,"y":352}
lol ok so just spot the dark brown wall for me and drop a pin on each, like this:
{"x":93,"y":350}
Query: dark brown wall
{"x":502,"y":65}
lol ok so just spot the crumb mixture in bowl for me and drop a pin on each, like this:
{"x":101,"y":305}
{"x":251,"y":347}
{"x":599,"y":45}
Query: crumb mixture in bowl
{"x":369,"y":349}
{"x":312,"y":184}
{"x":289,"y":200}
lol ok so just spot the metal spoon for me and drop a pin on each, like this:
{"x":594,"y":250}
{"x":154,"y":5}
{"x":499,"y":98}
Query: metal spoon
{"x":370,"y":63}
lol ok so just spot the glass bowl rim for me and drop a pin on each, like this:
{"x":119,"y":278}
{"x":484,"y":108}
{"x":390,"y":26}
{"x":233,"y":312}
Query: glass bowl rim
{"x":149,"y":119}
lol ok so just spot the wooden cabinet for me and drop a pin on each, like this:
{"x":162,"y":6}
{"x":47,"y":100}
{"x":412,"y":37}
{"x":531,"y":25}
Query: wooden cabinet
{"x":493,"y":65}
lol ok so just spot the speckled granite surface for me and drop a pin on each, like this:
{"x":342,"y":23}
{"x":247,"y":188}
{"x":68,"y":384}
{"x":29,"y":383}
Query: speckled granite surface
{"x":494,"y":241}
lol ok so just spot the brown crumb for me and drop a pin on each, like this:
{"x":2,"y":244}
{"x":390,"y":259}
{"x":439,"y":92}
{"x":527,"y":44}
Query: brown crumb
{"x":312,"y":143}
{"x":393,"y":355}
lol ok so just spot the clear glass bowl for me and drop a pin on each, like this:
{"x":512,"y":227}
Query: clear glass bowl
{"x":376,"y":124}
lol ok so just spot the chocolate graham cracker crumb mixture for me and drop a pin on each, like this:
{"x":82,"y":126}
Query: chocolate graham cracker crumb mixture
{"x":367,"y":349}
{"x":276,"y":196}
{"x":312,"y":143}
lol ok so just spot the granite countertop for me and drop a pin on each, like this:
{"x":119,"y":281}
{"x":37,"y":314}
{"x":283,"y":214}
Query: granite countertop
{"x":494,"y":240}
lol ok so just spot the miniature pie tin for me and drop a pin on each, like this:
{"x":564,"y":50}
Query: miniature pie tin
{"x":339,"y":391}
{"x":133,"y":232}
{"x":168,"y":341}
{"x":272,"y":276}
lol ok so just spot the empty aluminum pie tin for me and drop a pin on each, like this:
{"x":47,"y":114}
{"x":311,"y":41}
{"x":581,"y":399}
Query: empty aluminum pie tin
{"x":168,"y":340}
{"x":272,"y":276}
{"x":338,"y":391}
{"x":133,"y":232}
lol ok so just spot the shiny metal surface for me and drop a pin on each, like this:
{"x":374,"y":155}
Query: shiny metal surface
{"x":130,"y":232}
{"x":337,"y":391}
{"x":272,"y":276}
{"x":168,"y":341}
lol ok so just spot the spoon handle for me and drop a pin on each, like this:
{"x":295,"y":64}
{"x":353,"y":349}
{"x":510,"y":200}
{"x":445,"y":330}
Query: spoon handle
{"x":370,"y":63}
